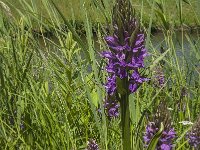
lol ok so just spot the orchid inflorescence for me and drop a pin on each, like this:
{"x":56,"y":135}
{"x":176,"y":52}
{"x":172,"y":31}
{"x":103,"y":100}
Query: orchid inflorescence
{"x":168,"y":134}
{"x":193,"y":135}
{"x":125,"y":55}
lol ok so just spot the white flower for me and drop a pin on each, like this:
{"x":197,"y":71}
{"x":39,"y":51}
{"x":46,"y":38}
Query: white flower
{"x":186,"y":122}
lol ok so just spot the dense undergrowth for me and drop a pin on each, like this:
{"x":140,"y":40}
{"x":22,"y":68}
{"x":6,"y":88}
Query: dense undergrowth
{"x":52,"y":82}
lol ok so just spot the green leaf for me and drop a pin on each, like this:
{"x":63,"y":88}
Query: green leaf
{"x":158,"y":3}
{"x":94,"y":96}
{"x":134,"y":35}
{"x":196,"y":50}
{"x":154,"y":141}
{"x":120,"y":88}
{"x":181,"y":138}
{"x":158,"y":59}
{"x":163,"y":18}
{"x":186,"y":1}
{"x":20,"y":110}
{"x":77,"y":38}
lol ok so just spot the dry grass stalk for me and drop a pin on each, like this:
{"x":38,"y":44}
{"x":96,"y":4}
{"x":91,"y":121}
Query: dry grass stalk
{"x":6,"y":9}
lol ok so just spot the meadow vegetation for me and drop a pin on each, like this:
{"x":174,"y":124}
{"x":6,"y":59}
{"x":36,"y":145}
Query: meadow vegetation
{"x":52,"y":75}
{"x":174,"y":12}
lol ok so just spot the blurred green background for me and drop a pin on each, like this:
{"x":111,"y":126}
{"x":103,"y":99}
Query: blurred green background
{"x":175,"y":12}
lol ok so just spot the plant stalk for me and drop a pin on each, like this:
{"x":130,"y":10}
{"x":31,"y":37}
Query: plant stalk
{"x":125,"y":118}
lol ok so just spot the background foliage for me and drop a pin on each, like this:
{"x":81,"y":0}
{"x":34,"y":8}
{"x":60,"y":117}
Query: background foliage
{"x":51,"y":74}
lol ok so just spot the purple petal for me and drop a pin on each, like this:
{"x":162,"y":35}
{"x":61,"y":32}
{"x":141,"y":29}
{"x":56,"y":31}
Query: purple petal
{"x":165,"y":147}
{"x":111,"y":40}
{"x":111,"y":85}
{"x":107,"y":54}
{"x":133,"y":87}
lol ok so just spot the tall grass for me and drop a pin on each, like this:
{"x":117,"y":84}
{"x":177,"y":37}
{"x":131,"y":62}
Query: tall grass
{"x":173,"y":10}
{"x":51,"y":87}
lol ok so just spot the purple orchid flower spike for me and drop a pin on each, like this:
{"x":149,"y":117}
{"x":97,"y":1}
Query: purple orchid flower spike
{"x":125,"y":56}
{"x":193,"y":135}
{"x":124,"y":62}
{"x":166,"y":140}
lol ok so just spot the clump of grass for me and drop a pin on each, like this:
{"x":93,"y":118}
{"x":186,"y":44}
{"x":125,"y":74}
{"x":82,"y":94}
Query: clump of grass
{"x":51,"y":87}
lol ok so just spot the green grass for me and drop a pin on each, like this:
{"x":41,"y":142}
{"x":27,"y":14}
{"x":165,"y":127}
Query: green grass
{"x":175,"y":12}
{"x":50,"y":93}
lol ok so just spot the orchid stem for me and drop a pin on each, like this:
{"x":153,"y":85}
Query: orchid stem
{"x":125,"y":118}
